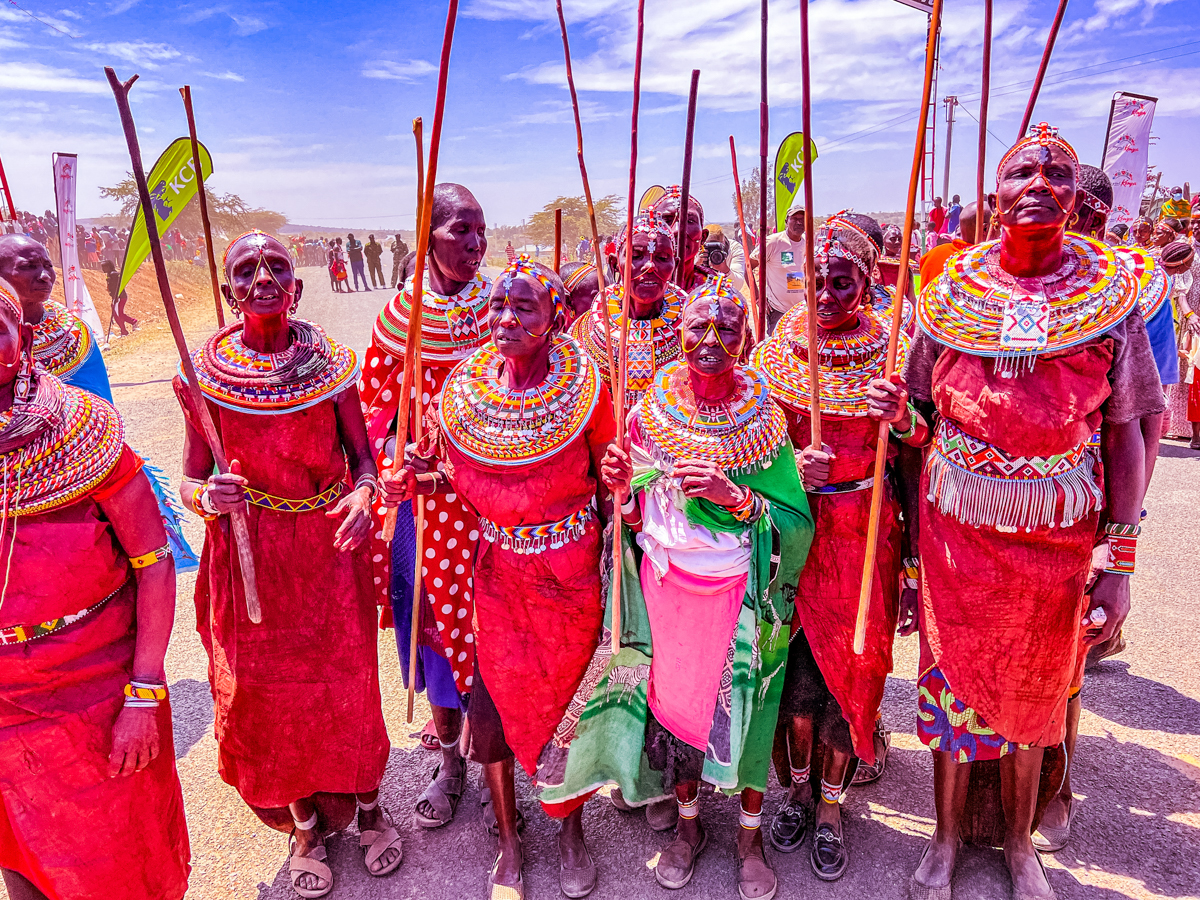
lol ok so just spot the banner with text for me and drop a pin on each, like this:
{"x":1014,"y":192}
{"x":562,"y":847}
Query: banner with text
{"x":172,"y":184}
{"x":789,"y":174}
{"x":79,"y":301}
{"x":1127,"y":154}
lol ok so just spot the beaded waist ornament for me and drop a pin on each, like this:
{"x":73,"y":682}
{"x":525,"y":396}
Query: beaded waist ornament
{"x":530,"y":540}
{"x":979,"y":484}
{"x":20,"y":634}
{"x":283,"y":504}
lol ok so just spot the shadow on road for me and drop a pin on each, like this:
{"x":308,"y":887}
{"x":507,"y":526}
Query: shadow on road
{"x":191,"y":713}
{"x":1137,"y":702}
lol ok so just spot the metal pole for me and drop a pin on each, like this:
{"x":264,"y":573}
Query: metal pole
{"x":951,"y":102}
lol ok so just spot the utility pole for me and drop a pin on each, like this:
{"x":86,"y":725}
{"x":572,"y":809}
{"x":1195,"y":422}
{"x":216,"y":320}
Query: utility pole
{"x":951,"y":102}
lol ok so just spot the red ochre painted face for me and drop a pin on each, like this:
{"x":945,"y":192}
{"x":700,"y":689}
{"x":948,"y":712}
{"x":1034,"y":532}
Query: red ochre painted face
{"x":1036,"y":188}
{"x":520,"y":316}
{"x":260,"y":277}
{"x":839,"y":295}
{"x":713,"y":333}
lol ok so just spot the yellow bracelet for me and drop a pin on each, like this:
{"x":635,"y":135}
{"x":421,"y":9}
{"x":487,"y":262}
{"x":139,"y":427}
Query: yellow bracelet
{"x":143,"y":691}
{"x":149,"y":559}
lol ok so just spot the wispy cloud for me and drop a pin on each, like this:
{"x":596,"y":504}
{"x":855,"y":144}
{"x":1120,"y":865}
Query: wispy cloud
{"x":142,"y":53}
{"x":247,"y":25}
{"x":408,"y":70}
{"x":27,"y":76}
{"x":224,"y":76}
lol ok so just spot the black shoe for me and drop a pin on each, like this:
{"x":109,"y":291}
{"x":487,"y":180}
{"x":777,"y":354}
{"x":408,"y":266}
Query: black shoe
{"x":789,"y":827}
{"x":829,"y":855}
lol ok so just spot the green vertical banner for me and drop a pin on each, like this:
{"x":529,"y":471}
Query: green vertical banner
{"x":172,"y":184}
{"x":789,"y":174}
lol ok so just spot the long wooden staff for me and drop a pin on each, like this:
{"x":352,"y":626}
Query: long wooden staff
{"x":737,"y":192}
{"x":986,"y":87}
{"x":810,"y":267}
{"x":597,"y":249}
{"x":186,"y":93}
{"x":241,"y":530}
{"x":414,"y":313}
{"x":864,"y":597}
{"x":1041,"y":73}
{"x":418,"y":503}
{"x":557,"y":239}
{"x":623,"y":353}
{"x":762,"y":174}
{"x":685,"y":183}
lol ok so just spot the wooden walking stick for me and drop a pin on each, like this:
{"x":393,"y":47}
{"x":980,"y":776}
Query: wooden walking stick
{"x":241,"y":530}
{"x":864,"y":597}
{"x":737,"y":192}
{"x":557,"y":240}
{"x":186,"y":93}
{"x":597,"y":249}
{"x":810,"y":267}
{"x":986,"y":87}
{"x":414,"y":313}
{"x":418,"y":503}
{"x":762,"y":174}
{"x":685,"y":184}
{"x":1041,"y":73}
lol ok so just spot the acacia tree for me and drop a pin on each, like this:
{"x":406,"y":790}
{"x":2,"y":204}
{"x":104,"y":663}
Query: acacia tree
{"x":609,"y":218}
{"x":750,"y":187}
{"x":230,"y":214}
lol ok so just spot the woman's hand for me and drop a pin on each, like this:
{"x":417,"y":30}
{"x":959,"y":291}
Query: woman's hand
{"x":398,"y":487}
{"x":1192,"y":323}
{"x":616,"y":471}
{"x":887,"y":399}
{"x":134,"y":740}
{"x":356,"y":506}
{"x":815,"y":465}
{"x":227,"y":492}
{"x":701,"y":478}
{"x":1108,"y":605}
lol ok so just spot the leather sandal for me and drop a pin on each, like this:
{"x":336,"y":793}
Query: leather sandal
{"x":788,"y":827}
{"x":756,"y":878}
{"x":1050,"y":838}
{"x":579,"y":882}
{"x":882,"y":740}
{"x":829,"y":855}
{"x":489,"y":814}
{"x":677,"y":862}
{"x":313,"y":864}
{"x":376,"y":844}
{"x":442,"y":795}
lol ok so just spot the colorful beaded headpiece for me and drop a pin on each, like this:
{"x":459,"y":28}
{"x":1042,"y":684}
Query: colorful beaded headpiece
{"x":8,"y":297}
{"x":576,"y":278}
{"x":840,"y":237}
{"x":653,"y":226}
{"x":1040,"y":135}
{"x":716,"y":289}
{"x":260,"y":242}
{"x":675,"y":192}
{"x":1096,"y":203}
{"x":523,"y":265}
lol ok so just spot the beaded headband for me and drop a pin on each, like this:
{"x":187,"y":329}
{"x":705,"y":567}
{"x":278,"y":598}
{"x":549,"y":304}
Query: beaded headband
{"x":523,"y":265}
{"x":1096,"y":203}
{"x":653,"y":226}
{"x":675,"y":192}
{"x":840,"y":237}
{"x":1040,"y":135}
{"x":576,"y":278}
{"x":260,"y":243}
{"x":716,"y":289}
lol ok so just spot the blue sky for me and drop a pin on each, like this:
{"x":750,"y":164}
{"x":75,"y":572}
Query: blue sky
{"x":307,"y":107}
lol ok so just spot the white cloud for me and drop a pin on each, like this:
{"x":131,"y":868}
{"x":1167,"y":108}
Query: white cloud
{"x":22,"y":76}
{"x":224,"y":76}
{"x":407,"y":71}
{"x":247,"y":25}
{"x":70,"y":14}
{"x":142,"y":53}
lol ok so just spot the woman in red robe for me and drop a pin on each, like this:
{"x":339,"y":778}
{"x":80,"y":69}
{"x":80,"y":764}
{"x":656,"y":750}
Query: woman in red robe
{"x":524,"y":422}
{"x":90,"y":803}
{"x":1027,"y":348}
{"x":298,"y":717}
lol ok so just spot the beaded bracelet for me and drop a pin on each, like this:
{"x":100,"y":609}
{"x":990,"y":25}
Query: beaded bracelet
{"x":912,"y":425}
{"x":149,"y":559}
{"x":144,"y":694}
{"x":912,"y":572}
{"x":1122,"y":547}
{"x":198,"y":507}
{"x":743,"y":510}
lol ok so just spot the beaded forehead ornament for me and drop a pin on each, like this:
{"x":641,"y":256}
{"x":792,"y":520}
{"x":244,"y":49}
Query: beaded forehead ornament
{"x":840,"y":237}
{"x":258,"y":240}
{"x":523,"y":265}
{"x":653,"y":226}
{"x":1040,"y":135}
{"x":675,"y":192}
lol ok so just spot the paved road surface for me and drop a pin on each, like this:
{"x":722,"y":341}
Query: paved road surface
{"x":1137,"y":827}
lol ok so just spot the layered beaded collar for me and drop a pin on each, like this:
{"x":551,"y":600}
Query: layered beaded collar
{"x":1153,"y":285}
{"x":452,"y":326}
{"x":61,"y":342}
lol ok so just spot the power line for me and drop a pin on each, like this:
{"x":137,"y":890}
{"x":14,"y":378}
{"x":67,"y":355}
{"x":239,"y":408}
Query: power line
{"x":73,"y":37}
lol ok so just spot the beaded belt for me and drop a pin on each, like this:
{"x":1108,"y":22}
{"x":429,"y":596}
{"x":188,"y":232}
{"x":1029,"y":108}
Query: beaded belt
{"x":529,"y":540}
{"x":283,"y":504}
{"x":20,"y":634}
{"x":844,"y":487}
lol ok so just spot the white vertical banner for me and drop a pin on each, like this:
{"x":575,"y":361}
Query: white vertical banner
{"x":1127,"y":154}
{"x":79,"y":301}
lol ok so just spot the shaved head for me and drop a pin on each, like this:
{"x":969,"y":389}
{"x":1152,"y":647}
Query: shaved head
{"x":12,"y":245}
{"x":449,"y":198}
{"x":25,"y":264}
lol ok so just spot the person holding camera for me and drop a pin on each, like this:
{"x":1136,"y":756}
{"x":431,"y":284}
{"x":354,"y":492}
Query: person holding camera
{"x":722,"y":255}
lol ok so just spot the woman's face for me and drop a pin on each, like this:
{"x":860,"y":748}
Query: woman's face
{"x":260,"y":277}
{"x":1036,"y":188}
{"x":15,"y":336}
{"x":651,"y":270}
{"x":712,"y":332}
{"x":520,"y":316}
{"x":839,"y":295}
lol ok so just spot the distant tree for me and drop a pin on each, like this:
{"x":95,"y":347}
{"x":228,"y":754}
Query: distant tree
{"x":230,"y":214}
{"x":750,"y":186}
{"x":610,"y":215}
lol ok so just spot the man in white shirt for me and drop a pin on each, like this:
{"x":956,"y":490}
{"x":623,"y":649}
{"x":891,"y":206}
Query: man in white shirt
{"x":785,"y":266}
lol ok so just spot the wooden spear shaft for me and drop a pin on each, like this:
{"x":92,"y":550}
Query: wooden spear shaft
{"x":685,"y":184}
{"x":186,"y":93}
{"x":414,"y":313}
{"x":597,"y":249}
{"x":986,"y":87}
{"x":737,"y":192}
{"x":241,"y":530}
{"x":810,"y":267}
{"x":418,"y":503}
{"x":868,"y":577}
{"x":622,"y":368}
{"x":762,"y":173}
{"x":1041,"y":73}
{"x":557,"y":240}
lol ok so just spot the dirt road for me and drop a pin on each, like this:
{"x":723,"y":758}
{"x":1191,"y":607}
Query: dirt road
{"x":1137,"y":824}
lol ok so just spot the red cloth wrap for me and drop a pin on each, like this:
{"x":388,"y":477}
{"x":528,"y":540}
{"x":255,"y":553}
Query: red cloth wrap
{"x":296,"y":697}
{"x":446,"y":576}
{"x":64,"y":824}
{"x":537,"y":617}
{"x":1000,"y":611}
{"x":831,"y":581}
